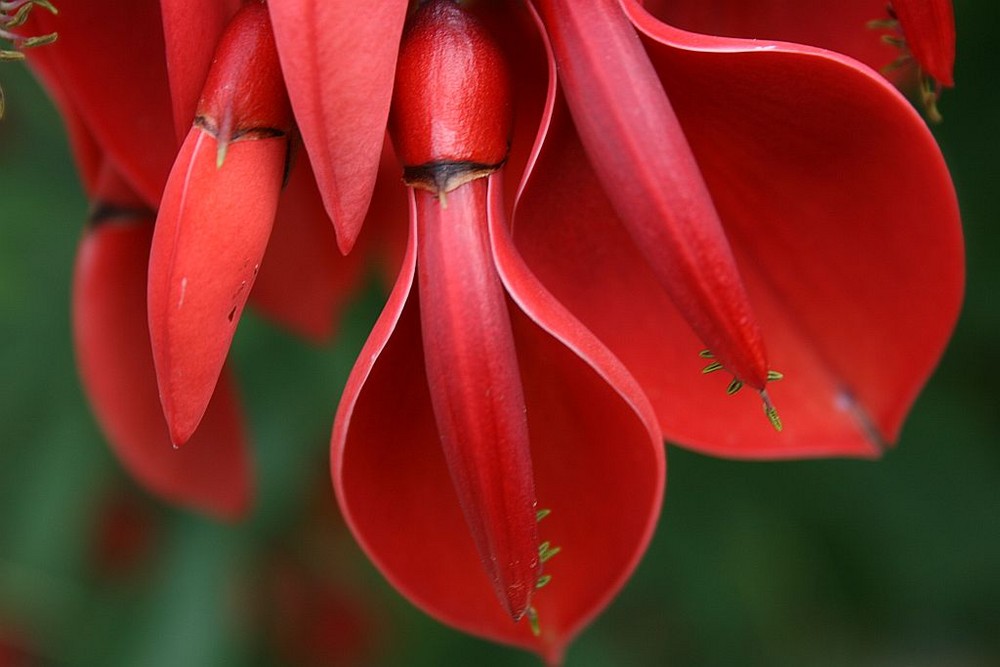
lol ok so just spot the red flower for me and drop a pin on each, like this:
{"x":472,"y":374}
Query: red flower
{"x":778,"y":204}
{"x":468,"y":366}
{"x":673,"y":188}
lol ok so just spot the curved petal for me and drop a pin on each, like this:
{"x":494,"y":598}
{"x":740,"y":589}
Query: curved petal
{"x":339,"y":60}
{"x":110,"y":63}
{"x":597,"y":459}
{"x":212,"y":473}
{"x":191,"y":30}
{"x":844,"y":222}
{"x":838,"y":25}
{"x":211,"y":232}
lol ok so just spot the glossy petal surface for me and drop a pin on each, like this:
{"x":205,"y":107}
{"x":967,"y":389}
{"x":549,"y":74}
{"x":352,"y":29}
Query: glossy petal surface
{"x":341,"y":101}
{"x":843,"y":221}
{"x":212,"y":473}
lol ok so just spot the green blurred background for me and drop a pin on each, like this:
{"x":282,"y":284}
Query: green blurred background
{"x":891,"y":563}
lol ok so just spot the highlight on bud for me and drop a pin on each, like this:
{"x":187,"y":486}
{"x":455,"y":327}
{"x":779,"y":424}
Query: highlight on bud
{"x":216,"y":215}
{"x":13,"y":14}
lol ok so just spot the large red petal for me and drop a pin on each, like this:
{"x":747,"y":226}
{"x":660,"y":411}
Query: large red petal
{"x":109,"y":61}
{"x":212,"y":473}
{"x":339,"y":61}
{"x":211,"y":232}
{"x":838,"y":25}
{"x":597,"y":460}
{"x":842,"y":216}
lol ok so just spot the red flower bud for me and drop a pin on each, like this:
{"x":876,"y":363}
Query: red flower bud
{"x":451,"y":110}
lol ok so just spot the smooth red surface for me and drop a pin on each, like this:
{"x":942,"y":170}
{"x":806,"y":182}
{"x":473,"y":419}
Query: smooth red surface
{"x":341,"y":100}
{"x":211,"y":232}
{"x":451,"y":100}
{"x":929,"y":29}
{"x":212,"y":473}
{"x":843,"y":220}
{"x":596,"y":456}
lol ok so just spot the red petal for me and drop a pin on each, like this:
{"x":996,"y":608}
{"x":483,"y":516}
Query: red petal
{"x":339,"y":61}
{"x":842,"y":216}
{"x":305,"y":282}
{"x":841,"y":25}
{"x":929,"y":28}
{"x":109,"y":61}
{"x":212,"y":473}
{"x":597,"y":460}
{"x":210,"y":237}
{"x":191,"y":29}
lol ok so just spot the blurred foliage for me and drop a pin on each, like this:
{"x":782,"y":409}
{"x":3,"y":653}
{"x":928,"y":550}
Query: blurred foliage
{"x":819,"y":563}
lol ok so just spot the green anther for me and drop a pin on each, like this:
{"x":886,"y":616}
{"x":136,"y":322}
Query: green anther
{"x":706,"y":354}
{"x":772,"y":415}
{"x":774,"y":376}
{"x":712,"y":367}
{"x":40,"y":40}
{"x":547,"y":552}
{"x":532,"y":615}
{"x":734,"y":386}
{"x":11,"y":55}
{"x":541,"y":514}
{"x":543,"y":581}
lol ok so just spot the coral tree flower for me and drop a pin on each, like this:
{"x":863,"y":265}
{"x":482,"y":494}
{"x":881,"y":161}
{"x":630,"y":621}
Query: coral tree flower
{"x":778,"y":204}
{"x":503,"y":408}
{"x":118,"y":111}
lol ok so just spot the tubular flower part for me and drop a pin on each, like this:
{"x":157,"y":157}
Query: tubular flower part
{"x":842,"y":251}
{"x":216,"y":216}
{"x":457,"y":363}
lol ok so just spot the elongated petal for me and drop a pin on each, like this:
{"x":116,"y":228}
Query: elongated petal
{"x":838,"y":25}
{"x":638,"y":149}
{"x":113,"y":353}
{"x":475,"y":388}
{"x":109,"y":61}
{"x":929,"y":29}
{"x":844,"y":223}
{"x":210,"y":237}
{"x":191,"y":30}
{"x":597,"y":461}
{"x":304,"y":281}
{"x":341,"y":100}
